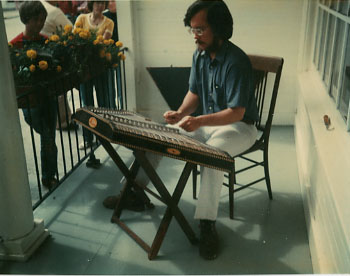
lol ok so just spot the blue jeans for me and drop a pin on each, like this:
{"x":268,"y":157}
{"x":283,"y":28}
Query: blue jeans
{"x":101,"y":85}
{"x":43,"y":120}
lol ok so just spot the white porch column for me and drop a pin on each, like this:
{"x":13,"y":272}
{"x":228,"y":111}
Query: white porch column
{"x":20,"y":235}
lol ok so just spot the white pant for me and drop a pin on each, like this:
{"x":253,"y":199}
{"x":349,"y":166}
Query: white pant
{"x":234,"y":139}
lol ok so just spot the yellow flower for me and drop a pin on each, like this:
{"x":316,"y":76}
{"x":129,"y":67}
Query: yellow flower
{"x":54,"y":38}
{"x":78,"y":25}
{"x":58,"y":68}
{"x":88,"y":33}
{"x":31,"y":54}
{"x":95,"y":42}
{"x":68,"y":29}
{"x":106,"y":42}
{"x":65,"y":43}
{"x":47,"y":41}
{"x":17,"y":54}
{"x":77,"y":30}
{"x":122,"y":56}
{"x":109,"y":56}
{"x":83,"y":35}
{"x":10,"y":45}
{"x":111,"y":41}
{"x":32,"y":68}
{"x":119,"y":44}
{"x":70,"y":37}
{"x":100,"y":38}
{"x":43,"y":65}
{"x":102,"y":53}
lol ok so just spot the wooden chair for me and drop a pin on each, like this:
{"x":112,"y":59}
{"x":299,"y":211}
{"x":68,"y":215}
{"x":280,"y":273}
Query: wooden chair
{"x":267,"y":74}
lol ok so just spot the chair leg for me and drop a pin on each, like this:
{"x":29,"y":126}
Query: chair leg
{"x":267,"y":173}
{"x":194,"y":181}
{"x":231,"y":189}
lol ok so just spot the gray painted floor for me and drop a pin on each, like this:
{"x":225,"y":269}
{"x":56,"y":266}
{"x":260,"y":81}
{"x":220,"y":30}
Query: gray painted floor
{"x":266,"y":237}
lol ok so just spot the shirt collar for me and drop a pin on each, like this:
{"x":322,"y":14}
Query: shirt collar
{"x":220,"y":55}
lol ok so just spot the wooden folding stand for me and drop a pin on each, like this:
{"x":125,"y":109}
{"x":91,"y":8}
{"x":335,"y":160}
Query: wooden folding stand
{"x":165,"y":197}
{"x":140,"y":134}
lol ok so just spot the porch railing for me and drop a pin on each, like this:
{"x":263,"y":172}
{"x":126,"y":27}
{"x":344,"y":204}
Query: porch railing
{"x":66,"y":91}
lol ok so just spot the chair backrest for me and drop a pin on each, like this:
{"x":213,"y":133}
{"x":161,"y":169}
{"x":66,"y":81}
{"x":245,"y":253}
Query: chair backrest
{"x":266,"y":68}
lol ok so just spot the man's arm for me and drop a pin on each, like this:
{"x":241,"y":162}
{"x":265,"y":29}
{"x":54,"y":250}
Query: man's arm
{"x":224,"y":117}
{"x":188,"y":106}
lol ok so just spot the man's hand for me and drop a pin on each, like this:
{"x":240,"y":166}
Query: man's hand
{"x":172,"y":117}
{"x":190,"y":123}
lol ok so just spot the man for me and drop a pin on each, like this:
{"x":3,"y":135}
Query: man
{"x":221,"y":83}
{"x":55,"y":20}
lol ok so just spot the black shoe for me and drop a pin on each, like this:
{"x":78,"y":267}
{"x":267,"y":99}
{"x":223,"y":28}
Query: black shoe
{"x":209,"y":240}
{"x":49,"y":183}
{"x":131,"y":202}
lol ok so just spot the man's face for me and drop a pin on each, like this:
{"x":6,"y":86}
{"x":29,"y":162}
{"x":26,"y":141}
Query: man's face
{"x":203,"y":34}
{"x":35,"y":24}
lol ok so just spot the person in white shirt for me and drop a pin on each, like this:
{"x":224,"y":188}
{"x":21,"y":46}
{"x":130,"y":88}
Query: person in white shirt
{"x":56,"y":19}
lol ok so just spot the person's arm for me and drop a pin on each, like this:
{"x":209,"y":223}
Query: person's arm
{"x":224,"y":117}
{"x":109,"y":29}
{"x":188,"y":106}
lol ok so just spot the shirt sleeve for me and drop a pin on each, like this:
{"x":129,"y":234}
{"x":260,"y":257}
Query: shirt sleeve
{"x":17,"y":42}
{"x":109,"y":26}
{"x":79,"y":21}
{"x":237,"y":85}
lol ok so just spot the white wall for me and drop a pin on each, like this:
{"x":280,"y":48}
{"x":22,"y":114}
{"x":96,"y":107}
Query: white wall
{"x":323,"y":161}
{"x":270,"y":27}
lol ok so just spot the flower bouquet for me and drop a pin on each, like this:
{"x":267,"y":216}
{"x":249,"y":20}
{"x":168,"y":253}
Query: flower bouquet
{"x":78,"y":53}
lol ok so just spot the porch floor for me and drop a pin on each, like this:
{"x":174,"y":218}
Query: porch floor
{"x":266,"y":237}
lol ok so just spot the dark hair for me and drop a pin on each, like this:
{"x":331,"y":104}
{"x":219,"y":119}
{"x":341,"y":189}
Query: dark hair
{"x":91,"y":4}
{"x":218,"y":16}
{"x":31,"y":9}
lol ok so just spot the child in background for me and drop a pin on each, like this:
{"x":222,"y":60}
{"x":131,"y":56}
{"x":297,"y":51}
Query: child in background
{"x":43,"y":116}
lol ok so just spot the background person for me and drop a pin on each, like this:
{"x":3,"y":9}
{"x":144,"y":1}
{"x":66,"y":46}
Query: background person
{"x":95,"y":21}
{"x":42,"y":117}
{"x":55,"y":20}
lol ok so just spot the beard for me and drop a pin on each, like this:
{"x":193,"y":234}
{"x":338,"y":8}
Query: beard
{"x":211,"y":48}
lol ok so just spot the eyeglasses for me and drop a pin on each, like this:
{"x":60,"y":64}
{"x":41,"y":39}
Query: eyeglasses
{"x":197,"y":31}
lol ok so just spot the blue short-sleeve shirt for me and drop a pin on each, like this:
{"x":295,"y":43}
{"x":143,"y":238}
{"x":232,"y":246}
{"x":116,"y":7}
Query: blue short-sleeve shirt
{"x":225,"y":82}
